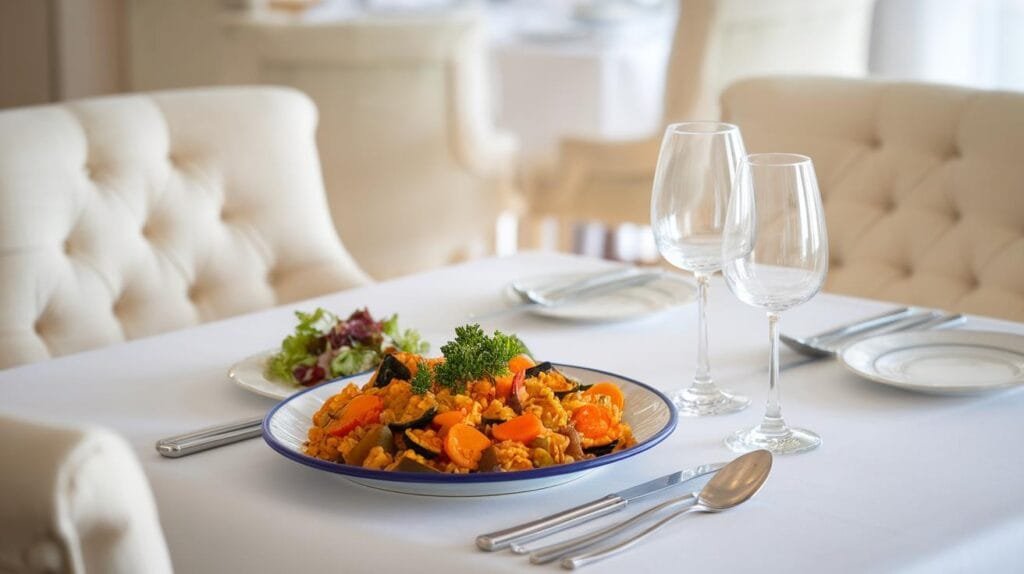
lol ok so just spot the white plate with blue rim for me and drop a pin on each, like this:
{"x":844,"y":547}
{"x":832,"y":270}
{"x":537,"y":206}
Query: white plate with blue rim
{"x":952,"y":362}
{"x":649,"y":413}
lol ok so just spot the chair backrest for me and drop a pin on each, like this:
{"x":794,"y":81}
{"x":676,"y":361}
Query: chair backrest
{"x":921,"y":184}
{"x":411,"y":166}
{"x":75,"y":500}
{"x":719,"y":41}
{"x":126,"y":216}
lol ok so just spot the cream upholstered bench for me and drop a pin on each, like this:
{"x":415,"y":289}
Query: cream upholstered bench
{"x":126,"y":216}
{"x":923,"y":184}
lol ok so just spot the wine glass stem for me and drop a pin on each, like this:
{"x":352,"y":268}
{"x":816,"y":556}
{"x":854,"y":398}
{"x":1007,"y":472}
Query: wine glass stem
{"x":702,"y":379}
{"x":773,"y":411}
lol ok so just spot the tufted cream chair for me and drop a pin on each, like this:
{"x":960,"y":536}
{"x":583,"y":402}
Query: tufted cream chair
{"x":127,"y":216}
{"x":415,"y":173}
{"x":75,"y":500}
{"x":922,"y":184}
{"x":716,"y":42}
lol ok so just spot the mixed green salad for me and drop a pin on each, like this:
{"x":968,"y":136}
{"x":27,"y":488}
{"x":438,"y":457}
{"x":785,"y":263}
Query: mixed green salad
{"x":325,"y":347}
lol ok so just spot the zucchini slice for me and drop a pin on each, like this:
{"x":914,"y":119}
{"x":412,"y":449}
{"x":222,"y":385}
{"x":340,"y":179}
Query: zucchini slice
{"x":391,"y":368}
{"x":379,"y":436}
{"x":412,"y":465}
{"x":424,"y":443}
{"x":603,"y":449}
{"x":415,"y":419}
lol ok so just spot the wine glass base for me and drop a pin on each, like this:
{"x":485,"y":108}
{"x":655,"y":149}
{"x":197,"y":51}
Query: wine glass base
{"x":788,"y":441}
{"x":693,"y":402}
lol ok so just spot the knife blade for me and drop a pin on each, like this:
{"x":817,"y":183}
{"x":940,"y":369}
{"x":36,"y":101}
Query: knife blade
{"x":590,"y":510}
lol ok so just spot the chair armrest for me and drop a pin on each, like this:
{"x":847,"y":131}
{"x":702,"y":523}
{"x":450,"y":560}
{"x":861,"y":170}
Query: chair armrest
{"x":83,"y":503}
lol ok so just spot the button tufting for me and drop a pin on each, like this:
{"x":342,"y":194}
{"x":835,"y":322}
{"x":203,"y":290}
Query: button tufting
{"x":194,"y":292}
{"x":66,"y":246}
{"x":120,"y":305}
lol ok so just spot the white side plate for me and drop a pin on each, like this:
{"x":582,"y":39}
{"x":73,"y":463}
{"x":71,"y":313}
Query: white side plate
{"x":940,"y":362}
{"x":248,"y":374}
{"x":633,"y":302}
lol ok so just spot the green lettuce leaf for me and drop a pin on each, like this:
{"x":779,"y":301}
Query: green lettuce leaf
{"x":296,"y":348}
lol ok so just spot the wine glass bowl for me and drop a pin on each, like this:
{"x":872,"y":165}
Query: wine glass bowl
{"x":692,"y":185}
{"x":775,"y":253}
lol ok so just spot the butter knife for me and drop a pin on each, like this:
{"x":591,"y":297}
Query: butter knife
{"x":579,"y":514}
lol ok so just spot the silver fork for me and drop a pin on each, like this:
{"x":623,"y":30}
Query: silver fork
{"x":829,"y":343}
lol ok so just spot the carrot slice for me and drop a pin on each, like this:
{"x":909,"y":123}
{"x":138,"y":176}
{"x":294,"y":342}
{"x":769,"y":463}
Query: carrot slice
{"x":520,"y":363}
{"x":446,"y":420}
{"x":503,"y":386}
{"x":523,"y":428}
{"x":464,"y":445}
{"x":592,"y":421}
{"x":362,"y":410}
{"x":610,"y":390}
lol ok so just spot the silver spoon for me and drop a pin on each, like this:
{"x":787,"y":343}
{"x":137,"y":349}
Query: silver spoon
{"x":736,"y":483}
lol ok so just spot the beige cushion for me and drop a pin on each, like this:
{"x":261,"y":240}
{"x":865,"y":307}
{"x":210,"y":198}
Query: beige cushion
{"x":126,"y":216}
{"x":75,"y":500}
{"x":922,"y":184}
{"x":415,"y":172}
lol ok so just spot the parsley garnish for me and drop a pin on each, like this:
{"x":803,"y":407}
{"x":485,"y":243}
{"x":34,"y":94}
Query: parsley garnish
{"x":423,"y":380}
{"x":472,"y":356}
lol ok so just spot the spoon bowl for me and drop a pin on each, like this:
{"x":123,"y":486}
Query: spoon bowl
{"x":737,"y":482}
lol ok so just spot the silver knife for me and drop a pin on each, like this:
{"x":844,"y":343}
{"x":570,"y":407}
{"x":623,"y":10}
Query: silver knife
{"x":573,"y":516}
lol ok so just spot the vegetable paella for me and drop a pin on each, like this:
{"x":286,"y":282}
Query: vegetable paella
{"x":484,"y":406}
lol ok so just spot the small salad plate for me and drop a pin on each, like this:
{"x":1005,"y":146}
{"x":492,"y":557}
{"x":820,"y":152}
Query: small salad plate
{"x":649,"y":413}
{"x":249,"y":373}
{"x":954,"y":362}
{"x":666,"y":292}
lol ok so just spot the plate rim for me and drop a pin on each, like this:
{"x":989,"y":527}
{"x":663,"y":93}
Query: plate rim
{"x":873,"y":376}
{"x":488,"y":477}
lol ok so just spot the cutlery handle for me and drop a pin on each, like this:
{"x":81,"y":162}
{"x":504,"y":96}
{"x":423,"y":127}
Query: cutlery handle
{"x":578,"y":561}
{"x":868,"y":324}
{"x":599,"y":285}
{"x":551,"y":552}
{"x":212,"y":437}
{"x":548,"y":524}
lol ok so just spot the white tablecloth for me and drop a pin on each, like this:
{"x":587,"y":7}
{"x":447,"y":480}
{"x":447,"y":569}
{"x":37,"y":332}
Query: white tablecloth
{"x":903,"y":482}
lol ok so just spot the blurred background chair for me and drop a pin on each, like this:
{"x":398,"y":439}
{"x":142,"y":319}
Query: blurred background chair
{"x":716,"y":42}
{"x":416,"y":175}
{"x":921,"y":184}
{"x":127,"y":216}
{"x":75,"y":500}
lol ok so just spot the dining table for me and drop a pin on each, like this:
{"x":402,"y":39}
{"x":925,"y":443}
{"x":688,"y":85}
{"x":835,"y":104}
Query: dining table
{"x":903,"y":482}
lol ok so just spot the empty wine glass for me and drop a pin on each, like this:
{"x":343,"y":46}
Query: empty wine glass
{"x":775,"y":252}
{"x":692,"y":184}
